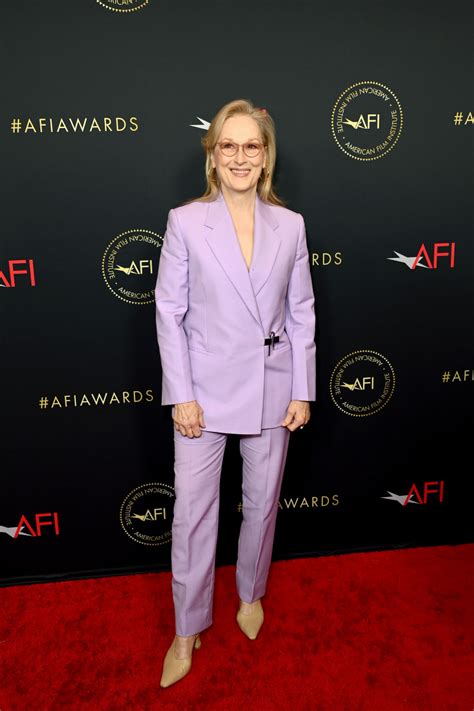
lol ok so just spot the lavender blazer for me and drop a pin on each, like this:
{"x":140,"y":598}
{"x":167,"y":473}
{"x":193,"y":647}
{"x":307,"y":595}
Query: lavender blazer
{"x":212,"y":315}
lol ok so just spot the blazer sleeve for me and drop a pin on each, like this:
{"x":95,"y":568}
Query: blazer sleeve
{"x":171,"y":299}
{"x":301,"y":322}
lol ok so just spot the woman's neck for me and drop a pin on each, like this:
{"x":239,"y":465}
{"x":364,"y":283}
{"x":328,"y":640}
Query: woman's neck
{"x":240,"y":203}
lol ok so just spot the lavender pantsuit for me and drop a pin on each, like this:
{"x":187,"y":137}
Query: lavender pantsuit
{"x":198,"y":463}
{"x":212,"y":315}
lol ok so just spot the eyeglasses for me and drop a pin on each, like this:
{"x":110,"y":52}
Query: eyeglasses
{"x":251,"y":149}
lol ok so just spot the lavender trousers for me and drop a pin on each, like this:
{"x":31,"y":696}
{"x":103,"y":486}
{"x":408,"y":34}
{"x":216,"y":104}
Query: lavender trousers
{"x":197,"y":468}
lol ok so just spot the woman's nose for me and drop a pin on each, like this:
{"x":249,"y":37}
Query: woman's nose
{"x":239,"y":150}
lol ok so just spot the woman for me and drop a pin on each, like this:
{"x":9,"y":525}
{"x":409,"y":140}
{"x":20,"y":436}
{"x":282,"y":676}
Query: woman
{"x":235,"y":324}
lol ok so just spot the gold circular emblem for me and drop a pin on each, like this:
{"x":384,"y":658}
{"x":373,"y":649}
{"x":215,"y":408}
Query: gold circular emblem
{"x":362,"y":383}
{"x":123,"y":5}
{"x":146,"y":514}
{"x":366,"y":120}
{"x":129,"y":265}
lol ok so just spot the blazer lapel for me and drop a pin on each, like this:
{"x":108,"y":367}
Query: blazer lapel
{"x":223,"y":241}
{"x":267,"y":242}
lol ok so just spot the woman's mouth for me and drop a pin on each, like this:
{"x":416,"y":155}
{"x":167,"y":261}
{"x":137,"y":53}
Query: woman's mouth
{"x":240,"y":172}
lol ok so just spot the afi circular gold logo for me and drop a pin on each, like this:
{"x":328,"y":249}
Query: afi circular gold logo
{"x":123,"y":5}
{"x":129,"y":265}
{"x":146,"y":514}
{"x":362,"y":383}
{"x":366,"y":120}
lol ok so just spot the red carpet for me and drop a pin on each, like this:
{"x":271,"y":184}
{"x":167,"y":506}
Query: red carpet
{"x":365,"y":631}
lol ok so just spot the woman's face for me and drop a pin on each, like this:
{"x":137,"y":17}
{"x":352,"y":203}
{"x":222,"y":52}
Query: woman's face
{"x":239,"y":173}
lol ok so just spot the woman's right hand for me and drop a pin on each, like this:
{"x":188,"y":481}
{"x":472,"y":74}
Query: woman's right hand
{"x":188,"y":418}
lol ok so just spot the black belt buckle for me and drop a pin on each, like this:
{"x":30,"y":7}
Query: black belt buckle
{"x":271,"y":340}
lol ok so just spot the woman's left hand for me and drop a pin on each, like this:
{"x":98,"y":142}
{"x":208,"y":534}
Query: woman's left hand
{"x":297,"y":415}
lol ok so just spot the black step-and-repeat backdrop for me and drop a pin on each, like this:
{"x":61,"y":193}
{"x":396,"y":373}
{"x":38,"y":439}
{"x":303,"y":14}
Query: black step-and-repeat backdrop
{"x":103,"y":107}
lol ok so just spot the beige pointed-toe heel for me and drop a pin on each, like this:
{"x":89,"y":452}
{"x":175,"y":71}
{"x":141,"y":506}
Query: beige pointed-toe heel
{"x":250,"y":624}
{"x":175,"y":669}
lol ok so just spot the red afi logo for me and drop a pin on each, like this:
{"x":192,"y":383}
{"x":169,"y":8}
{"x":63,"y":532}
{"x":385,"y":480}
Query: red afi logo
{"x":437,"y":253}
{"x":13,"y":271}
{"x":39,"y":523}
{"x":427,"y":491}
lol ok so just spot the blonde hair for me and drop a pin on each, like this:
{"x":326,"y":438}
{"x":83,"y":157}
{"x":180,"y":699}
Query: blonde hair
{"x":266,"y":125}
